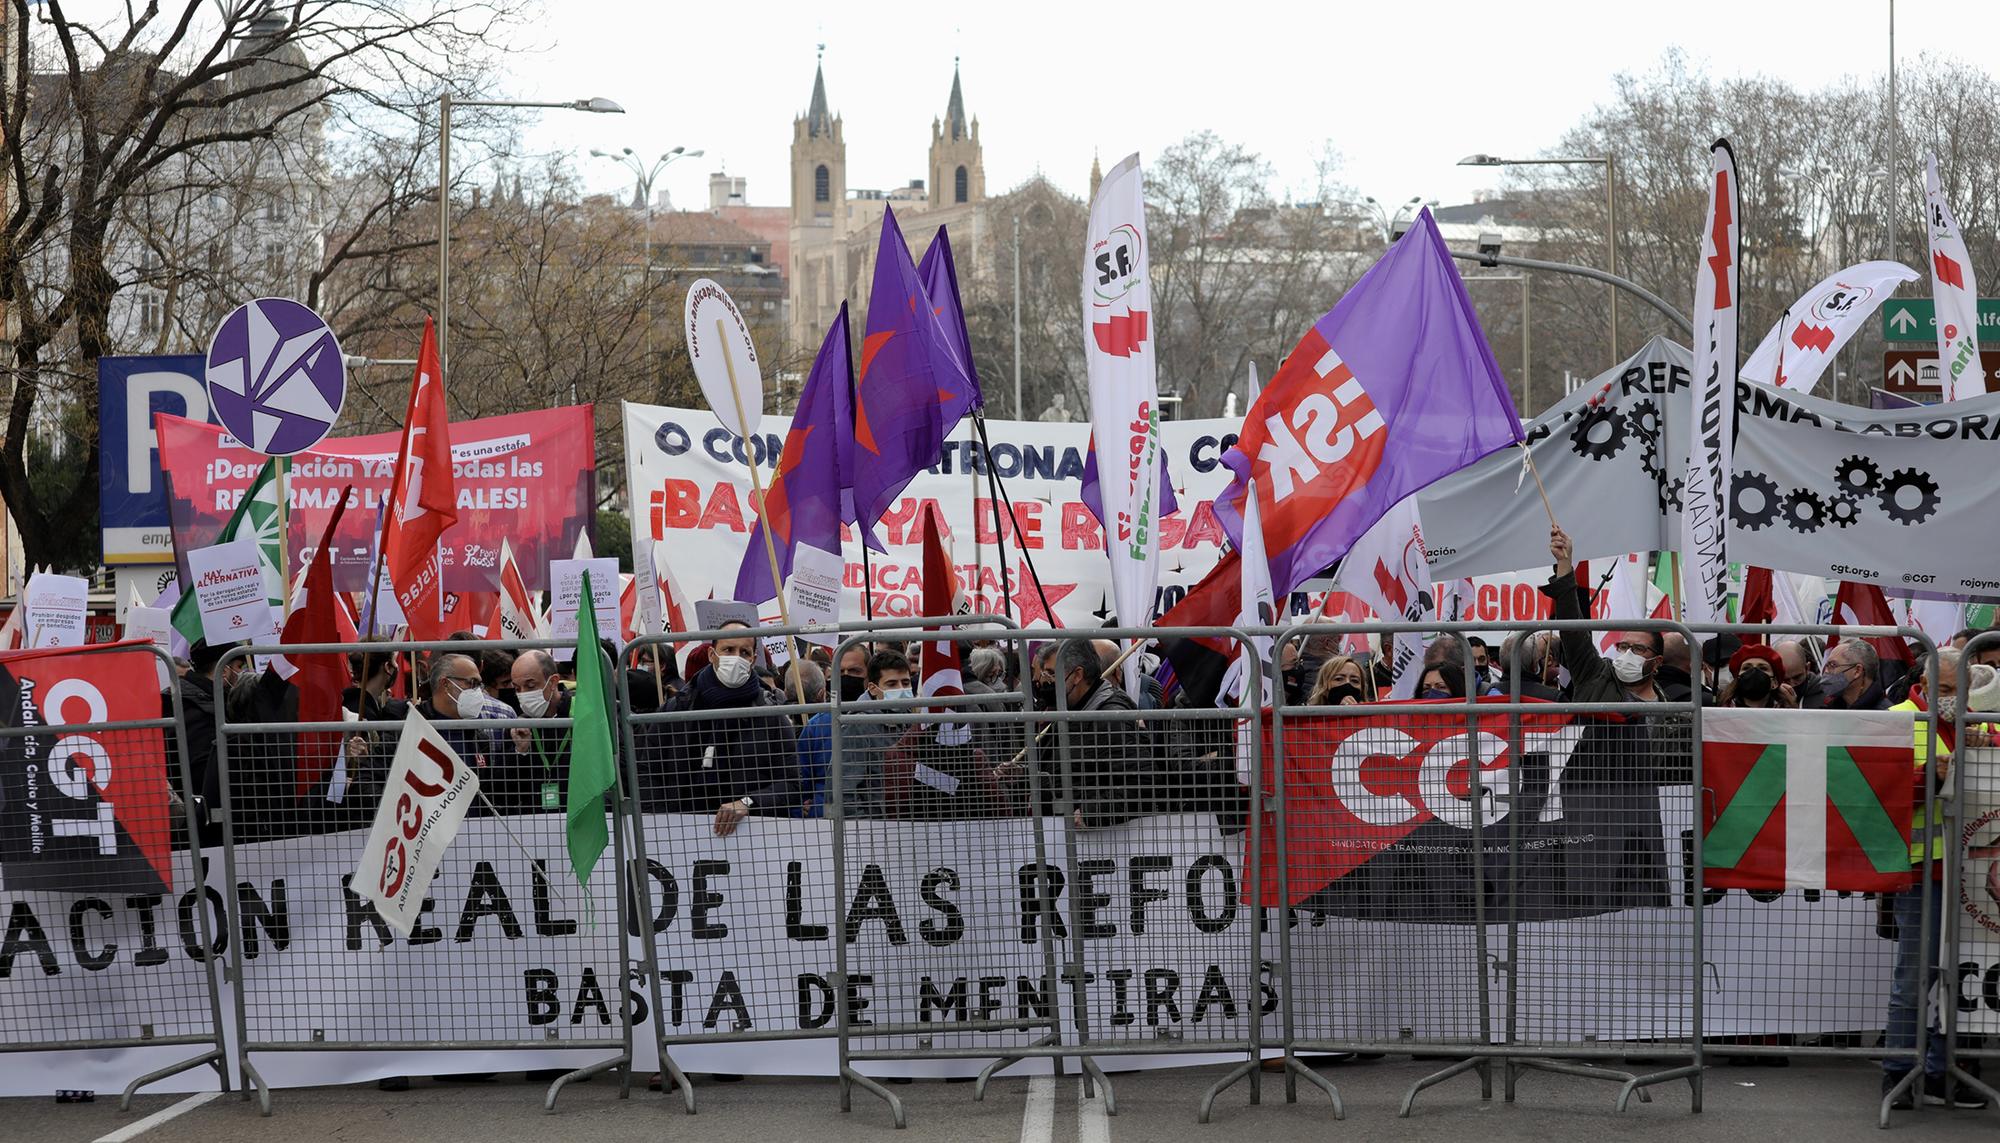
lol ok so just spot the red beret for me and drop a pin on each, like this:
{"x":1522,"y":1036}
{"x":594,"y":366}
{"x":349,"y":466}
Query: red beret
{"x":1749,"y":651}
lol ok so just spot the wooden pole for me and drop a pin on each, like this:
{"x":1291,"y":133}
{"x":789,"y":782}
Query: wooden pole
{"x":757,"y":487}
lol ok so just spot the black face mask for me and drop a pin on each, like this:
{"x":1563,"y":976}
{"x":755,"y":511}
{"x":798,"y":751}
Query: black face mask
{"x":1045,"y":696}
{"x":851,"y":688}
{"x":1340,"y":694}
{"x":1754,"y":685}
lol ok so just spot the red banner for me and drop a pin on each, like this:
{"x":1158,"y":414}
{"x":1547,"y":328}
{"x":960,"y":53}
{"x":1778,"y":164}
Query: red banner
{"x":84,"y":809}
{"x":530,"y":477}
{"x":1391,"y":793}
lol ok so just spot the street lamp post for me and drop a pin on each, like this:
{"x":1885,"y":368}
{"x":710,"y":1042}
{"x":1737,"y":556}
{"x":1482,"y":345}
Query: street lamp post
{"x":445,"y":104}
{"x":1390,"y":226}
{"x":646,"y":176}
{"x":1610,"y":165}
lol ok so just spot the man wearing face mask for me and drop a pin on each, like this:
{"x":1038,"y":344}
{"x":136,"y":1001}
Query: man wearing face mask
{"x":741,"y":760}
{"x":458,"y":692}
{"x":1112,"y":764}
{"x":542,"y":754}
{"x":1609,"y":785}
{"x":863,"y":743}
{"x":1848,"y":677}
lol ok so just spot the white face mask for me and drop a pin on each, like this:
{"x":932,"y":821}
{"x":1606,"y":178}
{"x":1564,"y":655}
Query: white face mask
{"x":471,"y":701}
{"x":1629,"y":666}
{"x":534,"y":704}
{"x":897,"y":693}
{"x":732,"y":671}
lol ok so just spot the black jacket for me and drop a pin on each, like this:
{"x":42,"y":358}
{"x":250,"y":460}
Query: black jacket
{"x":1111,"y":763}
{"x":739,"y":750}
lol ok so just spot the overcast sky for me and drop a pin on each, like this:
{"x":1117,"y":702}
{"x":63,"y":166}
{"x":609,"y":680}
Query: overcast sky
{"x":1401,"y":90}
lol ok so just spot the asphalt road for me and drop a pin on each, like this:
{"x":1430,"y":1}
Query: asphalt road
{"x":1821,"y":1103}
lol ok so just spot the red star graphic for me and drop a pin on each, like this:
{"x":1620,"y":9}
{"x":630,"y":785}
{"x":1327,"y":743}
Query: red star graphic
{"x":1028,"y":602}
{"x":777,"y":511}
{"x":870,"y":346}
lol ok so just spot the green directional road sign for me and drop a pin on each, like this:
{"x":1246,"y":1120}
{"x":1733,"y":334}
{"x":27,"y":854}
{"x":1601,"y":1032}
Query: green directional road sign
{"x":1915,"y":319}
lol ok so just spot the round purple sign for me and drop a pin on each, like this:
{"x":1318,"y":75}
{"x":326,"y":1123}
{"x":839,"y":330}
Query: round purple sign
{"x":276,"y":379}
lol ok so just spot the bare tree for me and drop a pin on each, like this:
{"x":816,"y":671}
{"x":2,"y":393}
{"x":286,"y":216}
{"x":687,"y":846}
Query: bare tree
{"x":117,"y":131}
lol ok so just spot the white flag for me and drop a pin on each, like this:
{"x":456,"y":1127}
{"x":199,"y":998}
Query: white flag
{"x":1124,"y":394}
{"x":1955,"y":292}
{"x":1386,"y":570}
{"x":1825,"y":318}
{"x":1704,"y":514}
{"x":1626,"y":595}
{"x":424,"y":801}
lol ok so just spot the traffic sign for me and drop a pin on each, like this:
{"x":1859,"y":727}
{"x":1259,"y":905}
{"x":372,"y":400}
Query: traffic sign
{"x":1914,"y":372}
{"x":1915,"y":319}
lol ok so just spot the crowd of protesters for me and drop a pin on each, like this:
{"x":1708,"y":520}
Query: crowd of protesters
{"x":1064,"y":723}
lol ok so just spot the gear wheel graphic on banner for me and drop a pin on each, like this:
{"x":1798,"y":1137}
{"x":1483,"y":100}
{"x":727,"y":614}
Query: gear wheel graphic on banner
{"x":1650,"y":458}
{"x":1892,"y":496}
{"x":1805,"y":511}
{"x":1764,"y":505}
{"x":1600,"y":433}
{"x":1857,"y":475}
{"x":1646,"y":418}
{"x":1670,"y":494}
{"x":1844,"y":511}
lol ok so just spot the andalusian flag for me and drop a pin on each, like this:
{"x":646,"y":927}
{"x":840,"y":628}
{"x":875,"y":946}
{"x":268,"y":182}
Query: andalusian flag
{"x":593,"y":766}
{"x":1815,"y":799}
{"x":258,"y":515}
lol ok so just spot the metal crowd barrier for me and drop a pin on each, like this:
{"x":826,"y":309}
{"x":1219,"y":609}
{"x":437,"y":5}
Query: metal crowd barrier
{"x":316,"y":970}
{"x":1969,"y":957}
{"x":1511,"y":912}
{"x":1551,"y":913}
{"x":107,"y":951}
{"x":1850,"y":937}
{"x":731,"y":974}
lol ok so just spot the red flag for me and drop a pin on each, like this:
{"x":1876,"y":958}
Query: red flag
{"x":320,"y":678}
{"x":466,"y":610}
{"x":1760,"y":604}
{"x":1199,"y":664}
{"x":938,"y":669}
{"x":422,"y":499}
{"x":515,"y":615}
{"x":1864,"y":605}
{"x":628,"y":605}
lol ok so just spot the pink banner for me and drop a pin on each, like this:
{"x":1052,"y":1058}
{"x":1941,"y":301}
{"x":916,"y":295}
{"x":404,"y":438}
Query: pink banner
{"x":530,"y":477}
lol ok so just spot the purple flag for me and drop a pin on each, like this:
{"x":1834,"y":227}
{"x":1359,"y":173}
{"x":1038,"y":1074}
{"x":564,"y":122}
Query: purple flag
{"x":908,"y":376}
{"x":939,"y":274}
{"x":1094,"y":500}
{"x":1392,"y":389}
{"x":802,"y":505}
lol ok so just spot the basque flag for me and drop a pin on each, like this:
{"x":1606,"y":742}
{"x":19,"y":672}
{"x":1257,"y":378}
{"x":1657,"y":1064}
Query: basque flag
{"x":1394,"y":388}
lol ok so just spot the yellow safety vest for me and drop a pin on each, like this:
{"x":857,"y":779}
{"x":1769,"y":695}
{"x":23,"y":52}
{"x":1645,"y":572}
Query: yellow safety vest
{"x":1919,"y":829}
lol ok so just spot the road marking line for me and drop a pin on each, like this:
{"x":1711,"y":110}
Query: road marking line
{"x":1092,"y":1124}
{"x":1038,"y":1117}
{"x":174,"y":1111}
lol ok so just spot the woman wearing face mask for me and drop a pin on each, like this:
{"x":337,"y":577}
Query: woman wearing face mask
{"x":1754,"y":681}
{"x":1444,"y":681}
{"x":1341,"y":682}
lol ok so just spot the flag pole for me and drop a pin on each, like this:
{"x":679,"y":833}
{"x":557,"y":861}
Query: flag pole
{"x":999,"y":529}
{"x":1528,"y":460}
{"x":1008,"y":502}
{"x":757,"y":486}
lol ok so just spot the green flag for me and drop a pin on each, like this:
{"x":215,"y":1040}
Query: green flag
{"x":592,"y":761}
{"x":258,"y":516}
